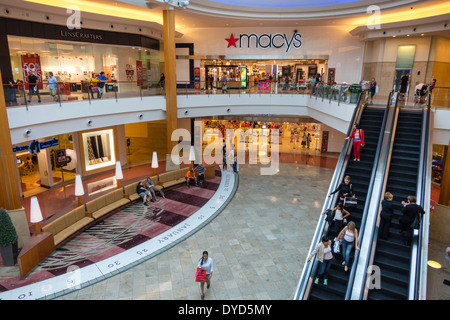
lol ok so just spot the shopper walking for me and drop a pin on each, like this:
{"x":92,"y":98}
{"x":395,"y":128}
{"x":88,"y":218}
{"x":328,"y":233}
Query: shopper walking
{"x":358,"y":141}
{"x":52,"y":85}
{"x":387,"y":212}
{"x":410,"y":211}
{"x":349,"y":237}
{"x":324,"y":257}
{"x":206,"y":263}
{"x":224,"y":83}
{"x":33,"y":87}
{"x":101,"y":84}
{"x":162,"y":82}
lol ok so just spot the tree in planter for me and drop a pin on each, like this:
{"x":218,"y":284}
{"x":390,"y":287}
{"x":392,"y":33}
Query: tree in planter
{"x":8,"y":239}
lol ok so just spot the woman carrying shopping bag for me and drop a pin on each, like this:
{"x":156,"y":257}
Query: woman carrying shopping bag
{"x":205,"y":264}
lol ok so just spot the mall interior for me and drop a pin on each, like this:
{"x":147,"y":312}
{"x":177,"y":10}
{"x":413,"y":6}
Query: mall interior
{"x":261,"y":95}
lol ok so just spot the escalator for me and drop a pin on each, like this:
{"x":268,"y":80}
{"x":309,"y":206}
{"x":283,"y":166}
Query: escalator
{"x":360,"y":176}
{"x":392,"y":256}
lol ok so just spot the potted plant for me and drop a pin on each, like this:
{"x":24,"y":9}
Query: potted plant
{"x":8,"y":239}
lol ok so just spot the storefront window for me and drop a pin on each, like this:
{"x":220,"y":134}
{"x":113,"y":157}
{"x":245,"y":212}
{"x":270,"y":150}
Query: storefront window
{"x":98,"y":149}
{"x":74,"y":63}
{"x":439,"y":156}
{"x":53,"y":164}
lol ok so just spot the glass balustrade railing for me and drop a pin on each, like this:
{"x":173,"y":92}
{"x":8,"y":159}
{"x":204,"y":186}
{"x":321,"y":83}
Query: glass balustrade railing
{"x":19,"y":94}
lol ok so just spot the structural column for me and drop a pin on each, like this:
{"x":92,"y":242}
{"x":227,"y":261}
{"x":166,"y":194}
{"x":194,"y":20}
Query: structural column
{"x":9,"y":180}
{"x":170,"y":76}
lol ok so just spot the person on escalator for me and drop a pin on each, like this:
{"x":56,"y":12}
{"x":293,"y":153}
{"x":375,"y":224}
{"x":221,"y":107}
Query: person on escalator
{"x":358,"y":140}
{"x":340,"y":214}
{"x":386,"y":214}
{"x":349,"y":237}
{"x":410,"y":210}
{"x":345,"y":189}
{"x":325,"y":258}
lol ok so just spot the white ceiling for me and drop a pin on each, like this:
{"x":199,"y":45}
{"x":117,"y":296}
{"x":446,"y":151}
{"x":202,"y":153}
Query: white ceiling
{"x":224,"y":13}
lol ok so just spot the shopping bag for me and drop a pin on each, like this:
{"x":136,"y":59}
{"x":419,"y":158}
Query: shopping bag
{"x":336,"y":247}
{"x":200,"y":275}
{"x":350,"y":201}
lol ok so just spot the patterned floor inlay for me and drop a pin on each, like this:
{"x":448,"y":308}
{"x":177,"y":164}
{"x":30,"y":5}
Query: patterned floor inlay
{"x":128,"y":228}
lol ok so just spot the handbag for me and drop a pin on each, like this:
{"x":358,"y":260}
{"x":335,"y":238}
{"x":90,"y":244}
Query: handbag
{"x":200,"y":275}
{"x":350,"y":201}
{"x":94,"y":88}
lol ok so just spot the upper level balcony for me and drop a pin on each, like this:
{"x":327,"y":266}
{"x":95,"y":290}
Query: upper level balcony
{"x":79,"y":106}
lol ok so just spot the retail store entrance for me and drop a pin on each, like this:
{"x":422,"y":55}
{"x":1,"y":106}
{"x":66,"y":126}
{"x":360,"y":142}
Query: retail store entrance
{"x":264,"y":74}
{"x":291,"y":134}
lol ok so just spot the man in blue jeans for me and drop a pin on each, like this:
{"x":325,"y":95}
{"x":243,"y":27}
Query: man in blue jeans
{"x":101,"y":84}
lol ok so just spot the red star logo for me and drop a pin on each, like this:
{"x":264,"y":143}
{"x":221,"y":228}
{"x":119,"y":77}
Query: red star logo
{"x":232,"y":41}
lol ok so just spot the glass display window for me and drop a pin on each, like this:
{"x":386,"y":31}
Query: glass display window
{"x":98,"y":149}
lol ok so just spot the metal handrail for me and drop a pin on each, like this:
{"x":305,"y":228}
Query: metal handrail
{"x":362,"y":228}
{"x":310,"y":268}
{"x":358,"y":292}
{"x":416,"y":269}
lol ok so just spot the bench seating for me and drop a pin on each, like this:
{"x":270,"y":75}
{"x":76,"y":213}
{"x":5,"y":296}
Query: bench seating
{"x":130,"y":193}
{"x":68,"y":224}
{"x":171,"y":178}
{"x":106,"y":203}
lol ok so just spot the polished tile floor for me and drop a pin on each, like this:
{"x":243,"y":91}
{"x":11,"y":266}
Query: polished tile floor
{"x":258,"y":243}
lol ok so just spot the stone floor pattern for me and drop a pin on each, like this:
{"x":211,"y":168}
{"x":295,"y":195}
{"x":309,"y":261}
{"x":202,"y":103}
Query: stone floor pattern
{"x":258,"y":243}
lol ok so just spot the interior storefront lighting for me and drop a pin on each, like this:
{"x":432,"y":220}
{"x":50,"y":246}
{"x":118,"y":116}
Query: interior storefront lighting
{"x":155,"y":162}
{"x":119,"y":174}
{"x":35,"y":214}
{"x":79,"y":190}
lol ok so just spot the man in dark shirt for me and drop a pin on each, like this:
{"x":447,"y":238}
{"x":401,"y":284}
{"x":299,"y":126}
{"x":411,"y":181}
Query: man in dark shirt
{"x":410,"y":210}
{"x":143,"y":193}
{"x":33,"y":86}
{"x":201,"y":174}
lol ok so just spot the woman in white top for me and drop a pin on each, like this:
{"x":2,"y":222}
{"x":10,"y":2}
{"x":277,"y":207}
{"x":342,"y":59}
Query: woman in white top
{"x":206,"y":264}
{"x":349,"y":236}
{"x":325,"y":257}
{"x":339,"y":215}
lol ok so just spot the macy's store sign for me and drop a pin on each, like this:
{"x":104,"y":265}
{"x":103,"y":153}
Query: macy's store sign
{"x":277,"y":41}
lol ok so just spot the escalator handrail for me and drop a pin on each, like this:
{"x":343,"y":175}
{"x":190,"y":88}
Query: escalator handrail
{"x":358,"y":293}
{"x":311,"y":266}
{"x":416,"y":270}
{"x":369,"y":192}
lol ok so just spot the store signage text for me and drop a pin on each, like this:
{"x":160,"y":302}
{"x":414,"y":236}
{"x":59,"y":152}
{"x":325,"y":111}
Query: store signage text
{"x":277,"y":41}
{"x":80,"y":35}
{"x":36,"y":146}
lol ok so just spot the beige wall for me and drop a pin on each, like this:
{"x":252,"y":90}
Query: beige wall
{"x":432,"y":58}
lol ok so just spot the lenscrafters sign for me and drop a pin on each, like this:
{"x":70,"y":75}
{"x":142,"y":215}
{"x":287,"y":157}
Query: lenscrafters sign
{"x":80,"y":35}
{"x":277,"y":41}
